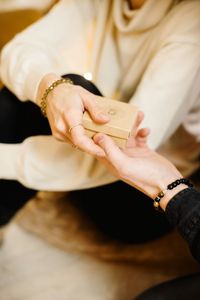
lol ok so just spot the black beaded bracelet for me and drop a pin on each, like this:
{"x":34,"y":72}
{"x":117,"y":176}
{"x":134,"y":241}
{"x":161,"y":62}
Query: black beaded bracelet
{"x":171,"y":186}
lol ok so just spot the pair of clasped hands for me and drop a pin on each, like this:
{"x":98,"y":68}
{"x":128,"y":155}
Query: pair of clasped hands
{"x":137,"y":164}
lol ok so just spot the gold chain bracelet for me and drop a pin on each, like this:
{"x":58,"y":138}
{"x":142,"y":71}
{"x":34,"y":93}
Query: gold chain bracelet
{"x":43,"y":103}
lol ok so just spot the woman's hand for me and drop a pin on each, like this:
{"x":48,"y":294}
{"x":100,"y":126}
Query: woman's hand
{"x":138,"y":165}
{"x":65,"y":107}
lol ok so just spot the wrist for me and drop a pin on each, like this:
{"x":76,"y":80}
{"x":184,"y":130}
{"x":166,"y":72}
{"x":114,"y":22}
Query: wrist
{"x":164,"y":196}
{"x":46,"y":81}
{"x":170,"y":194}
{"x":49,"y":89}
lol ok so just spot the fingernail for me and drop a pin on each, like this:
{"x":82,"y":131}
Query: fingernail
{"x":104,"y":117}
{"x":100,"y":154}
{"x":98,"y":138}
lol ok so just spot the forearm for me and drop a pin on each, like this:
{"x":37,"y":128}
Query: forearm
{"x":43,"y":163}
{"x":22,"y":69}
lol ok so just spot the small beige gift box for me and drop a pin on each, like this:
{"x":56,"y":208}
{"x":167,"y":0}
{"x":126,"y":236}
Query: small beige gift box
{"x":122,"y":120}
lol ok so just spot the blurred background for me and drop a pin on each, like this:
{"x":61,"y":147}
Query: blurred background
{"x":15,"y":15}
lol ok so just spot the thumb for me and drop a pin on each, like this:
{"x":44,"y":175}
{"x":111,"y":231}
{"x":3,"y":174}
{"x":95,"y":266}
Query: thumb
{"x":94,"y":109}
{"x":113,"y":153}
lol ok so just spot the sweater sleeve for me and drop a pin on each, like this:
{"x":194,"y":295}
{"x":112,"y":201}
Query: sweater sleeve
{"x":49,"y":45}
{"x":168,"y":89}
{"x":43,"y":163}
{"x":183,"y":212}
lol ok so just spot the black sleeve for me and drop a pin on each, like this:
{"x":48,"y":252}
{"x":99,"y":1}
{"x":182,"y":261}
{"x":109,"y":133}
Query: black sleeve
{"x":183,"y":212}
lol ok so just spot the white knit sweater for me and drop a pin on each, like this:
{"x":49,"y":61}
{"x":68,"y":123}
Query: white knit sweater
{"x":149,"y":56}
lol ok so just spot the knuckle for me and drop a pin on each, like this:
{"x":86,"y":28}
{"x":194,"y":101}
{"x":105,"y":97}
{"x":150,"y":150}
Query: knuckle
{"x":60,"y":126}
{"x":95,"y":108}
{"x":78,"y":91}
{"x":93,"y":102}
{"x":57,"y":136}
{"x":69,"y":113}
{"x":108,"y":151}
{"x":79,"y":141}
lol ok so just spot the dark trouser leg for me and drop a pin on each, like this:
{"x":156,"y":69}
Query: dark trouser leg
{"x":121,"y":212}
{"x":18,"y":120}
{"x":184,"y":288}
